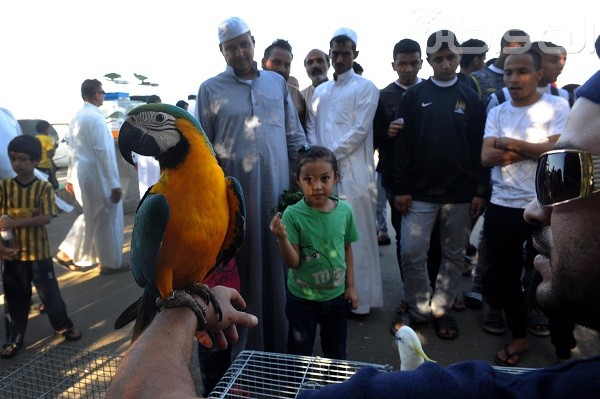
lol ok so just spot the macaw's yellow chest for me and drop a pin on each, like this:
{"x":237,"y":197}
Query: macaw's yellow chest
{"x":198,"y":221}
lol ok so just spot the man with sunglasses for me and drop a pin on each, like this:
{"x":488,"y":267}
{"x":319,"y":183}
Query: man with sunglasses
{"x":567,"y":213}
{"x":517,"y":132}
{"x":96,"y":237}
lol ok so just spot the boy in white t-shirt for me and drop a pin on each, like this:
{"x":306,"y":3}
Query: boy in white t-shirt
{"x":517,"y":132}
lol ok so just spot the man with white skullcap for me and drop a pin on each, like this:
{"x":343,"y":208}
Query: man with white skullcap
{"x":341,"y":119}
{"x":255,"y":131}
{"x":231,"y":28}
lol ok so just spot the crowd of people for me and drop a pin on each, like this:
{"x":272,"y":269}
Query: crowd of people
{"x":496,"y":140}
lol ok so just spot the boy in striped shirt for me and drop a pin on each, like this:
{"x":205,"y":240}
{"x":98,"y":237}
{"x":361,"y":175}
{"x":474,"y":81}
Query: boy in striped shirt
{"x":29,"y":203}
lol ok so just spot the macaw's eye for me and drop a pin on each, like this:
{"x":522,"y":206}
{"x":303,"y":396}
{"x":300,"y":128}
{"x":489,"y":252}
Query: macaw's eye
{"x":160,"y":118}
{"x":316,"y":256}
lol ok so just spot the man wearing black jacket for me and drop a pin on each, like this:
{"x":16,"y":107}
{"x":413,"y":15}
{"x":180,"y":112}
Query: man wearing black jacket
{"x":406,"y":63}
{"x":438,"y":173}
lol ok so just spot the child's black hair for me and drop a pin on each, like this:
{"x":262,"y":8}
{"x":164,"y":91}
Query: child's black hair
{"x":27,"y":145}
{"x":41,"y":126}
{"x":314,"y":153}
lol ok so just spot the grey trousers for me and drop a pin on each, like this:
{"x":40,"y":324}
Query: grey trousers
{"x":455,"y":225}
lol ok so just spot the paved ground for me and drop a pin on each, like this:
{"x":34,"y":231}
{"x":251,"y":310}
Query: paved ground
{"x":94,"y":301}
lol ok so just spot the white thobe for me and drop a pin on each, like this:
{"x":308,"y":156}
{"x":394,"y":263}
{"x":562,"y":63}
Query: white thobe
{"x":9,"y":129}
{"x":96,"y":237}
{"x":340,"y":118}
{"x":148,"y":171}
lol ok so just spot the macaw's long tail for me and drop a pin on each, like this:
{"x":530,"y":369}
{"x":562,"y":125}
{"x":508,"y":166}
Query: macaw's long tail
{"x":142,"y":311}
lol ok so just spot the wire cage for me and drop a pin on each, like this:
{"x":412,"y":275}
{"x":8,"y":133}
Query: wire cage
{"x":60,"y":372}
{"x":256,"y":374}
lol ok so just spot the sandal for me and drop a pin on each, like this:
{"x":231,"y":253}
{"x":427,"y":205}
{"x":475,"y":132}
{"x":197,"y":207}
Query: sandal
{"x":537,"y":323}
{"x":473,"y":299}
{"x":458,"y":305}
{"x":67,"y":264}
{"x":403,"y":308}
{"x":10,"y":350}
{"x":70,"y":334}
{"x":447,"y":323}
{"x":508,"y":355}
{"x":493,"y":321}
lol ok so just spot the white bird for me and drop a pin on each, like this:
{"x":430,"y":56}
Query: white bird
{"x":409,"y":348}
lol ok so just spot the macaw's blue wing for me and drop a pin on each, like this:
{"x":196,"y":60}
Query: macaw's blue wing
{"x":236,"y":231}
{"x":149,"y":227}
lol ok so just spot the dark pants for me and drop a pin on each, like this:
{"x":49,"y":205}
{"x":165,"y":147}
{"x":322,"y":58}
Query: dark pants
{"x":505,"y":233}
{"x":17,"y":277}
{"x":51,"y":177}
{"x":304,"y":316}
{"x":213,"y":366}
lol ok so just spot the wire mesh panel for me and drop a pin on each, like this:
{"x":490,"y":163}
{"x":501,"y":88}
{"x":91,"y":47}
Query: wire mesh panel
{"x":256,"y":374}
{"x":60,"y":372}
{"x":513,"y":370}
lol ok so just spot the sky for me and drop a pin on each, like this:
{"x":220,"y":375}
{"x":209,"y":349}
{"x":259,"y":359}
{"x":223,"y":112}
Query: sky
{"x":50,"y":47}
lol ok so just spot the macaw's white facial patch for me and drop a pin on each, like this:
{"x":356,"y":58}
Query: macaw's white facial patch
{"x":160,"y":125}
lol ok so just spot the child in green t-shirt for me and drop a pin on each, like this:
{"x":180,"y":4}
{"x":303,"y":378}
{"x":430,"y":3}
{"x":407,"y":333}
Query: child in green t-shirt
{"x":315,"y":239}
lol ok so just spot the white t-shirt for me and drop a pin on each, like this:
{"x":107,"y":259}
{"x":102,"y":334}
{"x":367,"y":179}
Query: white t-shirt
{"x":513,"y":185}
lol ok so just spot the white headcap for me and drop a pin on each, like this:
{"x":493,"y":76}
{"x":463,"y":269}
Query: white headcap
{"x":349,"y":33}
{"x":231,"y":28}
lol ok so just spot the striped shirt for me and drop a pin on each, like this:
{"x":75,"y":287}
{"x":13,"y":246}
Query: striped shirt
{"x":26,"y":201}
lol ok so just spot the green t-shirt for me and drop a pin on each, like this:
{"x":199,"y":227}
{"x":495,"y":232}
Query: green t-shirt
{"x":321,"y":237}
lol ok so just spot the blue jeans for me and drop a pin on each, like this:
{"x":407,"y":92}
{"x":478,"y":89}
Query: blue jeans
{"x":304,"y":315}
{"x":17,"y":277}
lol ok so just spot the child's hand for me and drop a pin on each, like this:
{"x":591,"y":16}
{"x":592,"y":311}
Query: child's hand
{"x":7,"y":222}
{"x":352,"y":296}
{"x":8,"y":253}
{"x":277,"y":227}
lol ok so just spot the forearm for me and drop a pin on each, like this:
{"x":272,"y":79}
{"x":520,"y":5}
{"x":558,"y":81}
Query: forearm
{"x":496,"y":157}
{"x":349,"y":268}
{"x":157,"y":364}
{"x":150,"y":355}
{"x":529,"y":150}
{"x":288,"y":253}
{"x":35,"y":221}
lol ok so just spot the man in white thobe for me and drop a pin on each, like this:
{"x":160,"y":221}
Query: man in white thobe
{"x":96,"y":237}
{"x":341,"y":119}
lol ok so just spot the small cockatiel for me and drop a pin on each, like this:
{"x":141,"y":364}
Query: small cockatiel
{"x":409,"y":348}
{"x":189,"y":223}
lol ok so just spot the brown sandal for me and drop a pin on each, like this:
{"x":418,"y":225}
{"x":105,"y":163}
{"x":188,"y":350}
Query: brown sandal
{"x":10,"y":350}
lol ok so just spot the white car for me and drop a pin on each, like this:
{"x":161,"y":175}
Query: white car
{"x":61,"y":155}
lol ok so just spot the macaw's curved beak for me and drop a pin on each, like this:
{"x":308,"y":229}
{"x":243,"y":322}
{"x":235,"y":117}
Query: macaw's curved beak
{"x":133,"y":139}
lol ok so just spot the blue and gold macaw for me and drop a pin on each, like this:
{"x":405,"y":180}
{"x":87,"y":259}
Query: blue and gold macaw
{"x":187,"y":224}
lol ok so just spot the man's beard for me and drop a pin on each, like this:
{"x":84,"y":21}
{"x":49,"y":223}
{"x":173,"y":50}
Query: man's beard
{"x":535,"y":280}
{"x":320,"y":77}
{"x":550,"y":303}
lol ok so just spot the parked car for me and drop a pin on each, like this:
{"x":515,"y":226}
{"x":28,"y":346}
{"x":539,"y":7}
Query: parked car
{"x":59,"y":133}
